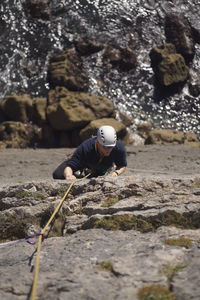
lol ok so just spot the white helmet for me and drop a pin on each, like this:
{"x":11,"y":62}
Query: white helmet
{"x":106,"y":136}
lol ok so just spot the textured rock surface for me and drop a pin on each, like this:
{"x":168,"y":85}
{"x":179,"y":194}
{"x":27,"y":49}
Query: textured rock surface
{"x":69,"y":110}
{"x":168,"y":65}
{"x":158,"y":242}
{"x":166,"y":136}
{"x":178,"y":31}
{"x":74,"y":264}
{"x":18,"y":135}
{"x":66,"y":70}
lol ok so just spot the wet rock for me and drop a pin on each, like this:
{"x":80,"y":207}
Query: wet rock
{"x":66,"y":69}
{"x":169,"y":66}
{"x":179,"y":32}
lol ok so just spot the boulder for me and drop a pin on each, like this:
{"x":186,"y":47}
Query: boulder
{"x":66,"y":69}
{"x":70,"y":110}
{"x":19,"y":135}
{"x":17,"y":107}
{"x":168,"y":136}
{"x":91,"y":128}
{"x":179,"y":32}
{"x":169,"y":67}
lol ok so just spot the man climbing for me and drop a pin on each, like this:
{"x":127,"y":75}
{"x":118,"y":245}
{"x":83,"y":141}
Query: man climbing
{"x":100,"y":155}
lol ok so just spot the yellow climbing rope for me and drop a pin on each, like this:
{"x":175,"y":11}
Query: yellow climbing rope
{"x":42,"y":234}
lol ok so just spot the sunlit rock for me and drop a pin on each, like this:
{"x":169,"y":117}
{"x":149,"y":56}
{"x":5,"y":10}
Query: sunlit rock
{"x":169,"y":66}
{"x":70,"y":110}
{"x":166,"y":136}
{"x":66,"y":69}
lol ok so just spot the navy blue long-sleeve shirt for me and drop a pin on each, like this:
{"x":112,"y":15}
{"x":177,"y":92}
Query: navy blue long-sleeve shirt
{"x":86,"y":156}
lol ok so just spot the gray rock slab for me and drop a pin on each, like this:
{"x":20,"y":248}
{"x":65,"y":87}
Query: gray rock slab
{"x":70,"y":266}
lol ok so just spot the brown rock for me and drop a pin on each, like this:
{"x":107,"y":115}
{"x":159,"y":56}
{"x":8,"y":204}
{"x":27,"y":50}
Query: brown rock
{"x":73,"y":110}
{"x":66,"y":69}
{"x":169,"y":66}
{"x":179,"y":32}
{"x":166,"y":136}
{"x":17,"y":107}
{"x":19,"y":135}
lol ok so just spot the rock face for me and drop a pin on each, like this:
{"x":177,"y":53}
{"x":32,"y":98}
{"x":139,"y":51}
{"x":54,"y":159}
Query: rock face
{"x":112,"y":239}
